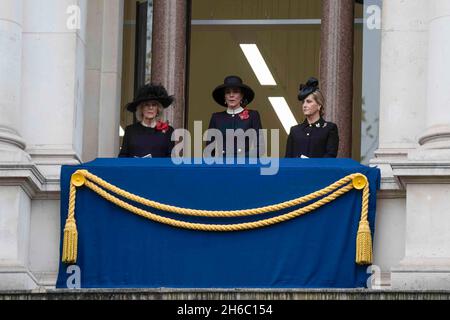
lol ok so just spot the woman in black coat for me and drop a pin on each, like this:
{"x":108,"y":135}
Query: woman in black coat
{"x":234,"y":95}
{"x":150,"y":137}
{"x":315,"y":137}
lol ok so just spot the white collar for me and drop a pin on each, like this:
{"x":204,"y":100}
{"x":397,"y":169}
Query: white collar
{"x":152,"y":124}
{"x":235,"y":111}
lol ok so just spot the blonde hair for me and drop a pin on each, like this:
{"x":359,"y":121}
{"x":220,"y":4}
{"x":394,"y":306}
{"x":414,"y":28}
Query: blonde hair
{"x":159,"y":114}
{"x":320,"y":100}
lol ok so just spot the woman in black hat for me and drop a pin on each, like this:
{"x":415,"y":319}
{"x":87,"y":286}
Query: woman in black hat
{"x":315,"y":137}
{"x":150,"y":136}
{"x":234,"y":95}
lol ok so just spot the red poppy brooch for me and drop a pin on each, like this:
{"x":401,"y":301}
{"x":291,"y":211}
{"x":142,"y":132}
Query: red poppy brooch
{"x":244,"y":115}
{"x":162,"y":126}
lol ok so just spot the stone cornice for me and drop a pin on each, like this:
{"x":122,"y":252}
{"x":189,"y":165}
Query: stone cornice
{"x":402,"y":166}
{"x":422,"y":172}
{"x":31,"y":179}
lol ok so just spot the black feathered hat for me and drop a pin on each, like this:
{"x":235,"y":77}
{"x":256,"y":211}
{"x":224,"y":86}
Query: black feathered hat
{"x":233,"y":82}
{"x":149,"y":92}
{"x":311,"y":86}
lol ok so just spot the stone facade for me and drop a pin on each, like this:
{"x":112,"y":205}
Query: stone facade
{"x":60,"y":102}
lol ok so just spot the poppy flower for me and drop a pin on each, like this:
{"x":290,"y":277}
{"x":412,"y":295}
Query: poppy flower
{"x":162,"y":126}
{"x":244,"y":115}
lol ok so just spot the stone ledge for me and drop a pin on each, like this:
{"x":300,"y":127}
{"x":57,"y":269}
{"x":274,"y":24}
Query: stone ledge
{"x":225,"y":294}
{"x":31,"y":179}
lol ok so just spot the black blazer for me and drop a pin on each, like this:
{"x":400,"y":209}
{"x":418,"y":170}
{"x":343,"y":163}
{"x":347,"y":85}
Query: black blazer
{"x":223,"y":121}
{"x":140,"y":141}
{"x":317,"y":140}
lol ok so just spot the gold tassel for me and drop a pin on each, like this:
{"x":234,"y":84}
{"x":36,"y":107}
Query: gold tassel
{"x":70,"y":243}
{"x":364,"y":244}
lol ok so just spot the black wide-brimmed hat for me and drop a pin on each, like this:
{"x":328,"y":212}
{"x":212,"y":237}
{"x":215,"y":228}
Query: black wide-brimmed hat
{"x":311,"y":86}
{"x":150,"y":92}
{"x":233,"y":82}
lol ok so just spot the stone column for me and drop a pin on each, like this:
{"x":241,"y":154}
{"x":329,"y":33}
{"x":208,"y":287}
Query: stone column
{"x":94,"y":43}
{"x":437,"y":133}
{"x":169,"y":54}
{"x":403,"y":77}
{"x":403,"y":80}
{"x":426,"y":173}
{"x":403,"y":83}
{"x":11,"y":143}
{"x":111,"y":77}
{"x":14,"y":201}
{"x":103,"y":78}
{"x":336,"y":67}
{"x":53,"y":73}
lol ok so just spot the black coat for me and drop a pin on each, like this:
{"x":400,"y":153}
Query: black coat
{"x":140,"y":141}
{"x":223,"y":121}
{"x":317,"y":140}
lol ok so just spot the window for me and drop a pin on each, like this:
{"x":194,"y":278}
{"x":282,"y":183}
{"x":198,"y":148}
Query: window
{"x":286,"y":34}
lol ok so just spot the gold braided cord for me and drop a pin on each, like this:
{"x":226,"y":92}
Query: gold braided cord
{"x":365,"y":203}
{"x":333,"y":191}
{"x":217,"y":227}
{"x":364,"y":237}
{"x":218,"y":213}
{"x":70,"y":240}
{"x":72,"y":198}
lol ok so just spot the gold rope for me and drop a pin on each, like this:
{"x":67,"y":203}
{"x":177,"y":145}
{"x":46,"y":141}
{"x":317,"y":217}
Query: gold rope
{"x":219,"y":213}
{"x":83,"y":177}
{"x":364,"y":236}
{"x":70,"y":242}
{"x":217,"y":227}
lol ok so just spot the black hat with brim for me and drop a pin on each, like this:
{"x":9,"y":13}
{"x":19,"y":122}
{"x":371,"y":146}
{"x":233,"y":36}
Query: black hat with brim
{"x":233,"y":82}
{"x":150,"y":92}
{"x":311,"y":86}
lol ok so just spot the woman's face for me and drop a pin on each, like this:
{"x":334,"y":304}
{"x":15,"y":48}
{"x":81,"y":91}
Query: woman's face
{"x":233,"y":97}
{"x":150,"y":109}
{"x":310,"y":106}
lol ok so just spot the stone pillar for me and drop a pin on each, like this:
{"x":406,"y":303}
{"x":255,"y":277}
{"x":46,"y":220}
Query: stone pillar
{"x":14,"y":202}
{"x":94,"y":43}
{"x":111,"y":77}
{"x":403,"y":75}
{"x":426,"y":173}
{"x":11,"y":143}
{"x":169,"y":54}
{"x":103,"y":79}
{"x":437,"y":133}
{"x":53,"y":73}
{"x":336,"y":67}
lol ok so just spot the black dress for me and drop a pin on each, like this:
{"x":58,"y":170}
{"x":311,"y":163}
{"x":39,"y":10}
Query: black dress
{"x":244,"y":120}
{"x":140,"y":141}
{"x":316,"y":140}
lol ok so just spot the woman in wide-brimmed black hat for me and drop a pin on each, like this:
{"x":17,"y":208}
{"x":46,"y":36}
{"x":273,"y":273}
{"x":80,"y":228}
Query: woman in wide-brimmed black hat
{"x":315,"y":137}
{"x":150,"y":136}
{"x":235,"y":96}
